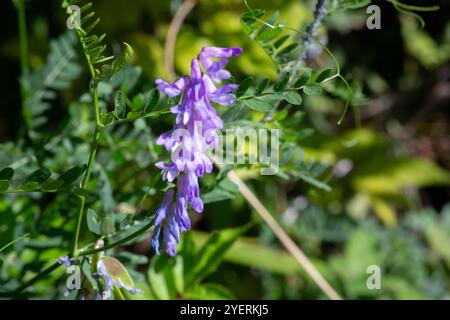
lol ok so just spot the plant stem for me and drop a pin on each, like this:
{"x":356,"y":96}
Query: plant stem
{"x":23,"y":39}
{"x":25,"y":71}
{"x":14,"y":241}
{"x":118,"y":295}
{"x":90,"y":166}
{"x":119,"y":242}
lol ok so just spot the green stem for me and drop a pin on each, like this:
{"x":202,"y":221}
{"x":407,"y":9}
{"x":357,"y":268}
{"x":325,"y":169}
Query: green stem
{"x":90,"y":165}
{"x":23,"y":47}
{"x":94,"y":146}
{"x":126,"y":120}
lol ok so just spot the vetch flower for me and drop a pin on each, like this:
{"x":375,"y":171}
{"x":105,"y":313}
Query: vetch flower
{"x":155,"y":238}
{"x":214,"y":69}
{"x":194,"y":132}
{"x":170,"y":171}
{"x":65,"y":261}
{"x":171,"y":233}
{"x":174,"y":89}
{"x":163,"y":210}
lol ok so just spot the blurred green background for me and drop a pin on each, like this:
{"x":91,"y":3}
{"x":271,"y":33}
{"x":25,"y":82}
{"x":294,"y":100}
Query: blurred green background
{"x":390,"y":183}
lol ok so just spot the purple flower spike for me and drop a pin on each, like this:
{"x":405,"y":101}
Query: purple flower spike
{"x":195,"y":132}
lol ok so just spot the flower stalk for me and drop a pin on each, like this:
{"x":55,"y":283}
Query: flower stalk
{"x":90,"y":165}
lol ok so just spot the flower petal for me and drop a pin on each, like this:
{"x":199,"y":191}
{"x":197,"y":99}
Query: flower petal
{"x":174,"y":89}
{"x":217,"y":52}
{"x":155,"y":239}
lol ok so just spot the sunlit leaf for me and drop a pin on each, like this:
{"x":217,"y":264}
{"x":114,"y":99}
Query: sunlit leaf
{"x":117,"y":271}
{"x":438,"y":238}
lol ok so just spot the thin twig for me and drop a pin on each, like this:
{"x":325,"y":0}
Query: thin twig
{"x":284,"y":238}
{"x":174,"y":28}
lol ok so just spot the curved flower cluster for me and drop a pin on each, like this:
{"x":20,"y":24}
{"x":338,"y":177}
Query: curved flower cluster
{"x":194,"y":132}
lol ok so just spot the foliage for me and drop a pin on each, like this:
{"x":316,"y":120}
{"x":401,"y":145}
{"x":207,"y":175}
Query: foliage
{"x":350,"y":197}
{"x":60,"y":70}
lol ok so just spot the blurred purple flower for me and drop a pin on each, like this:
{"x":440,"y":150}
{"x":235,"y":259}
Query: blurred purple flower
{"x":65,"y":261}
{"x":194,"y":132}
{"x":109,"y":283}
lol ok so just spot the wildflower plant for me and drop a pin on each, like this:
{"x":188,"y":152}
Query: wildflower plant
{"x":194,"y":132}
{"x":100,"y":181}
